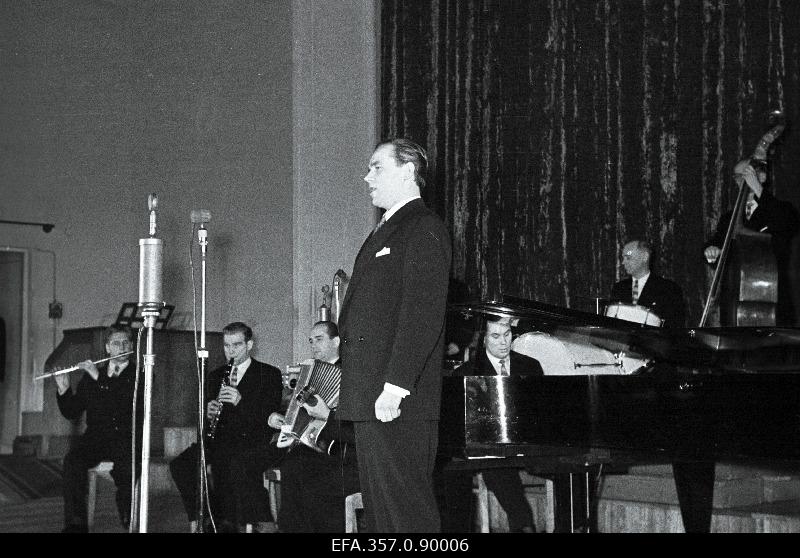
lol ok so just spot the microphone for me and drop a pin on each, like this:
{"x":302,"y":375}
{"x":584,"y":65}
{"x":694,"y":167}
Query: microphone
{"x":200,"y":216}
{"x":150,"y":263}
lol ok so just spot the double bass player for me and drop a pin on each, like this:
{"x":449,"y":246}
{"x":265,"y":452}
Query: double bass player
{"x":763,"y":213}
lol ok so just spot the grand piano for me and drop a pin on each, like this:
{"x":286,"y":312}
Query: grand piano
{"x":617,"y":393}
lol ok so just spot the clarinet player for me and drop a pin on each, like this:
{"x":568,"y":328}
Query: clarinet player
{"x":240,"y":399}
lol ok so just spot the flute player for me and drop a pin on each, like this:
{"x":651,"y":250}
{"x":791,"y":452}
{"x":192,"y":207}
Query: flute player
{"x":105,"y":394}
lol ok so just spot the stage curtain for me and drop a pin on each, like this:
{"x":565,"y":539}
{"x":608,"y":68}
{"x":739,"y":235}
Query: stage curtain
{"x":559,"y":129}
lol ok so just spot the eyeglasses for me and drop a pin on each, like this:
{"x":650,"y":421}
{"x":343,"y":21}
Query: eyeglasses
{"x":119,"y":343}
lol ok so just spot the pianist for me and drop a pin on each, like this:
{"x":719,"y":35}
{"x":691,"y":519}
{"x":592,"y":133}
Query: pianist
{"x":494,"y":357}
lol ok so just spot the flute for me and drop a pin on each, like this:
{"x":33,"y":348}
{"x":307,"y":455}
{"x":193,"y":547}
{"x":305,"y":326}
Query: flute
{"x":76,"y":367}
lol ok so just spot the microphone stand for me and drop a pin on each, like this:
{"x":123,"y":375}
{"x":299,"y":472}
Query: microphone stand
{"x":202,"y":355}
{"x":150,"y":267}
{"x":149,"y":315}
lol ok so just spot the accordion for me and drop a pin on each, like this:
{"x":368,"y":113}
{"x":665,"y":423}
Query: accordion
{"x":316,"y":379}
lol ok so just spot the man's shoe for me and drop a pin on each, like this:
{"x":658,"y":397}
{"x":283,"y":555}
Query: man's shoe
{"x":265,"y":527}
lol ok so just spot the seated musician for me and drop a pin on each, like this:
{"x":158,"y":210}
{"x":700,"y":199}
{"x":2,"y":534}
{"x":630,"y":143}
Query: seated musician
{"x":239,"y":450}
{"x":105,"y":394}
{"x":494,"y":358}
{"x":663,"y":296}
{"x":764,"y":213}
{"x":314,"y":485}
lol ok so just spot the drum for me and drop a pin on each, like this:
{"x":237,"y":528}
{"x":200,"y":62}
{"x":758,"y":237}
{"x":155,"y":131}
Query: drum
{"x":633,"y":313}
{"x":565,"y":357}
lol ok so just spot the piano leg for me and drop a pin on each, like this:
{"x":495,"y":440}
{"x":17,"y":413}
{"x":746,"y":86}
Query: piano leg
{"x":575,"y":501}
{"x":694,"y":483}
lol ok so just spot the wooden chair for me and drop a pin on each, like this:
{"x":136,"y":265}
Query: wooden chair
{"x":272,"y":482}
{"x":352,"y":503}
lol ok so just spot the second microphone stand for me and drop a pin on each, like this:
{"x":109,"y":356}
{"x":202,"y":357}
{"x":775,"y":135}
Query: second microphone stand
{"x":202,"y":355}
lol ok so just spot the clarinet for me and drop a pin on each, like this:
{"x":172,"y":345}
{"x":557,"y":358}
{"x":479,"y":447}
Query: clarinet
{"x":212,"y":427}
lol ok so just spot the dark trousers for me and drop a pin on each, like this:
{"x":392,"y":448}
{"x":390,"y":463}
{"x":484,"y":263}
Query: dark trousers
{"x":694,"y":483}
{"x":395,"y":464}
{"x":87,"y":452}
{"x":236,"y":489}
{"x":313,"y":489}
{"x":455,"y":497}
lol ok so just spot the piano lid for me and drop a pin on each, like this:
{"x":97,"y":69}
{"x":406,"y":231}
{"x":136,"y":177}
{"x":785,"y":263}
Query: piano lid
{"x":731,"y":349}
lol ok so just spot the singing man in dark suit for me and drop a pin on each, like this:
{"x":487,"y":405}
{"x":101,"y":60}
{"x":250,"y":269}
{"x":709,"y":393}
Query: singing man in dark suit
{"x":392,"y":331}
{"x":495,"y":357}
{"x":240,"y":448}
{"x":643,"y":288}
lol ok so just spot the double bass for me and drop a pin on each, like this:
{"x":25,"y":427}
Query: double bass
{"x":745,"y":282}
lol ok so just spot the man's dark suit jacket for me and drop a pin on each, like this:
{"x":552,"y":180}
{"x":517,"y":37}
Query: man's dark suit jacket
{"x":663,"y":296}
{"x":780,"y":219}
{"x":392,"y":320}
{"x":245,"y":424}
{"x":521,"y":365}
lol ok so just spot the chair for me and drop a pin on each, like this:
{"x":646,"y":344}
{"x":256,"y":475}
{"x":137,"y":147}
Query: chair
{"x":272,"y":482}
{"x":352,"y":503}
{"x":482,"y":497}
{"x":103,"y":468}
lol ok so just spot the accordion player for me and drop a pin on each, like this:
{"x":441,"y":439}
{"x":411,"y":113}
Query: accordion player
{"x":316,"y":380}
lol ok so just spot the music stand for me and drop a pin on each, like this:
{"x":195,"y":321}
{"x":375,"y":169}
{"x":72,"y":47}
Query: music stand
{"x":131,"y":315}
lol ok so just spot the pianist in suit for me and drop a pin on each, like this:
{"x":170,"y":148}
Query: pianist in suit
{"x":647,"y":289}
{"x":494,"y":357}
{"x":105,"y":394}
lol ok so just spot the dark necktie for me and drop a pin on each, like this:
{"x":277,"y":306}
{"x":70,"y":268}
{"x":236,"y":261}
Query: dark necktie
{"x":234,"y":376}
{"x":635,"y":293}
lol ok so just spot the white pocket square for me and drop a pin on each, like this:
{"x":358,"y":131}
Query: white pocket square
{"x":383,"y":251}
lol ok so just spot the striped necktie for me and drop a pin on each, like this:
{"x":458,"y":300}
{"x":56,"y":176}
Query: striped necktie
{"x":635,"y":292}
{"x":380,"y":224}
{"x":503,"y":369}
{"x":234,"y":379}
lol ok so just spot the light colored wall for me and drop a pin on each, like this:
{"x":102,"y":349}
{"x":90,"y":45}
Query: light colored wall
{"x":335,"y":76}
{"x":262,"y":112}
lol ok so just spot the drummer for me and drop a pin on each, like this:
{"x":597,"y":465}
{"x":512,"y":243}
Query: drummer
{"x":648,"y":290}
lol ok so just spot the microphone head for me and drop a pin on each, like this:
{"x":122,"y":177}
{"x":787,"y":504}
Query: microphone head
{"x":200,"y":216}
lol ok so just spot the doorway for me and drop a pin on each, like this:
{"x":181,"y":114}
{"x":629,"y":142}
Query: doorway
{"x":13,"y":311}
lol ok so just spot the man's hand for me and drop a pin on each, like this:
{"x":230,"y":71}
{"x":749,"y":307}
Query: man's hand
{"x":89,"y":366}
{"x":230,"y":395}
{"x":746,"y":171}
{"x":712,"y":254}
{"x":387,"y":406}
{"x":212,"y":409}
{"x":319,"y":410}
{"x":62,"y":383}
